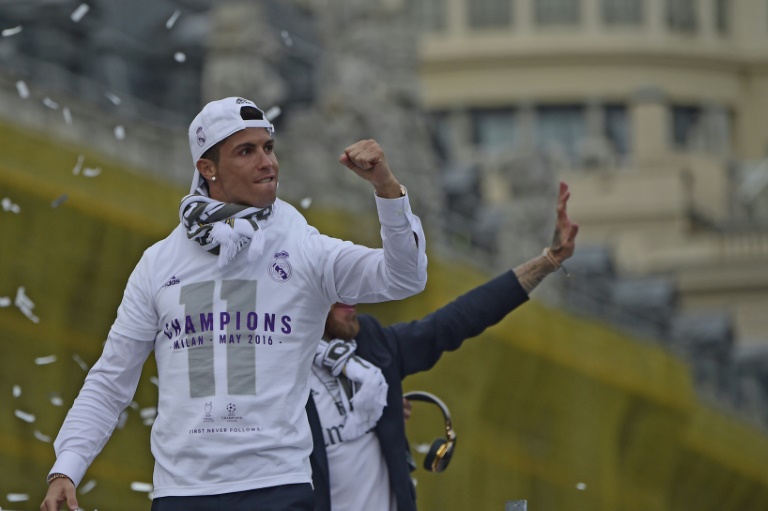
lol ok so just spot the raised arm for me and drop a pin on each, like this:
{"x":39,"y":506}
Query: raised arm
{"x":532,"y":272}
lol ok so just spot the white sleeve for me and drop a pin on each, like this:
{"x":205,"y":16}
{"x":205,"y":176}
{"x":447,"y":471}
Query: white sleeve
{"x":107,"y":391}
{"x":357,"y":274}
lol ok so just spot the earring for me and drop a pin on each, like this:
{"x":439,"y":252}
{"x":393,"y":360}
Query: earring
{"x":213,"y":178}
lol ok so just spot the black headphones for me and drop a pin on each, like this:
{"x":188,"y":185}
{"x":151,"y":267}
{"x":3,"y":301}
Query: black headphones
{"x":440,"y":453}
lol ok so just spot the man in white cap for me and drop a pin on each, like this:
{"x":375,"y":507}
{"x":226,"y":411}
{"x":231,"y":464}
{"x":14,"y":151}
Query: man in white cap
{"x":234,"y":302}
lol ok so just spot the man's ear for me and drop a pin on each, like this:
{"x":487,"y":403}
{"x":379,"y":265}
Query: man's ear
{"x":206,"y":168}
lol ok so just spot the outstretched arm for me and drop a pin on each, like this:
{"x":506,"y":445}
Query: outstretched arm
{"x":531,"y":273}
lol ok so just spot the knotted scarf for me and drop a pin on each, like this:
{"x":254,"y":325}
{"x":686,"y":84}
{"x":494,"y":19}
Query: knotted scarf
{"x":223,"y":229}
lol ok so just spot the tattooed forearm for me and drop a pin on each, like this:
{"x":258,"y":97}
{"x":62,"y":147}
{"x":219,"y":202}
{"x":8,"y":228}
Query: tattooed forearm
{"x":531,"y":273}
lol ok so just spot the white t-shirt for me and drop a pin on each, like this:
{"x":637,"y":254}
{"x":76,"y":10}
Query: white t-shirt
{"x":358,"y":473}
{"x":234,"y":348}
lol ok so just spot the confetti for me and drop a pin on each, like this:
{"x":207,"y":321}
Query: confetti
{"x":41,"y":361}
{"x":581,"y":486}
{"x":273,"y":113}
{"x":134,"y":405}
{"x":179,"y":56}
{"x":8,"y":205}
{"x":78,"y":13}
{"x":153,"y":379}
{"x":5,"y":301}
{"x":89,"y":172}
{"x":56,"y":400}
{"x":172,"y":20}
{"x":146,"y":413}
{"x":7,"y":32}
{"x":77,"y":358}
{"x":17,"y":497}
{"x":90,"y":485}
{"x":22,"y":89}
{"x":43,"y":438}
{"x":26,"y":305}
{"x":137,"y":486}
{"x":113,"y":98}
{"x":122,"y":419}
{"x":422,"y":448}
{"x":26,"y":417}
{"x":67,"y":115}
{"x":78,"y":165}
{"x":286,"y":38}
{"x":119,"y":132}
{"x":148,"y":421}
{"x":50,"y":103}
{"x":305,"y":202}
{"x":16,"y":391}
{"x":59,"y":200}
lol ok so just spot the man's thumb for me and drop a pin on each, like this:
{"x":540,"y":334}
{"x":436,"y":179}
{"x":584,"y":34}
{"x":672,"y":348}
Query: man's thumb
{"x":72,"y":500}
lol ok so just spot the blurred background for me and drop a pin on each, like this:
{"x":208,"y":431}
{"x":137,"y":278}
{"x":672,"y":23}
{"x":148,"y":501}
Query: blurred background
{"x":640,"y":382}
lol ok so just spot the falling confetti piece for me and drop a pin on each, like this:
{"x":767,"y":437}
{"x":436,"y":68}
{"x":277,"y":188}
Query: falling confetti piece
{"x":134,"y":405}
{"x":422,"y":448}
{"x":16,"y":391}
{"x":89,"y":172}
{"x":41,"y":361}
{"x":581,"y":486}
{"x":90,"y":485}
{"x":154,"y":380}
{"x":57,"y":401}
{"x":50,"y":103}
{"x":122,"y":419}
{"x":26,"y":417}
{"x":113,"y":98}
{"x":22,"y":89}
{"x":11,"y":31}
{"x":5,"y":301}
{"x":67,"y":115}
{"x":305,"y":202}
{"x":78,"y":165}
{"x":8,"y":205}
{"x":43,"y":438}
{"x":148,"y":421}
{"x":78,"y":13}
{"x":286,"y":38}
{"x":149,"y":412}
{"x":273,"y":113}
{"x":17,"y":497}
{"x":77,"y":358}
{"x":26,"y":305}
{"x":59,"y":200}
{"x":137,"y":486}
{"x":179,"y":56}
{"x":172,"y":20}
{"x":119,"y":132}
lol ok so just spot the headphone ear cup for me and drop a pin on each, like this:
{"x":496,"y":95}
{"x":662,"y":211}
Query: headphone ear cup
{"x":429,"y":460}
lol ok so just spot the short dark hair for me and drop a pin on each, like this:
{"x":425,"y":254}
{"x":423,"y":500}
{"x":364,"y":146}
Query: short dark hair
{"x":247,"y":113}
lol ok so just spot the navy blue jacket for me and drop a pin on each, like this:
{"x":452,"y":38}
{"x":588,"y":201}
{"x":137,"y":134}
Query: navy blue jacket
{"x":408,"y":348}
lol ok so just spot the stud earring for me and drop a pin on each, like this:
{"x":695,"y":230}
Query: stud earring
{"x":213,"y":178}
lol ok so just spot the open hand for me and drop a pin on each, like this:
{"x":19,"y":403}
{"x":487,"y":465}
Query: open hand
{"x":564,"y":239}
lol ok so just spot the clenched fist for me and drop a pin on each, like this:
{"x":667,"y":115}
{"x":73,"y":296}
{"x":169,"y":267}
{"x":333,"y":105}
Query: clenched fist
{"x":366,"y":159}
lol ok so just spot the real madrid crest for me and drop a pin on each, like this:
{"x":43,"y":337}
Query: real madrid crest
{"x":280,"y":270}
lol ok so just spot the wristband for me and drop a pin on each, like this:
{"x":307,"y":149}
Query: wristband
{"x":58,"y":475}
{"x":558,"y":266}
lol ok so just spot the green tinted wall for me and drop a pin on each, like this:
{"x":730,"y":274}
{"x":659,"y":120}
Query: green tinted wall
{"x":560,"y":411}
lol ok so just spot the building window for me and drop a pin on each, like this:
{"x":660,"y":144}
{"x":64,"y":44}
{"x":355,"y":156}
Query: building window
{"x":616,"y":127}
{"x":489,"y":13}
{"x":722,"y":16}
{"x":623,"y":12}
{"x":560,"y":129}
{"x":686,"y":123}
{"x":494,"y":129}
{"x":557,"y":12}
{"x":442,"y":134}
{"x":681,"y":15}
{"x":429,"y":15}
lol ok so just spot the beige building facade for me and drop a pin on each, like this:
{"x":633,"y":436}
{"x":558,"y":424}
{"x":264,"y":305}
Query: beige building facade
{"x":654,"y":111}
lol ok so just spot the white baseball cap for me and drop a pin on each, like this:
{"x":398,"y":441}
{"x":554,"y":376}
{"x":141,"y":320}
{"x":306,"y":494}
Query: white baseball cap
{"x":215,"y":122}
